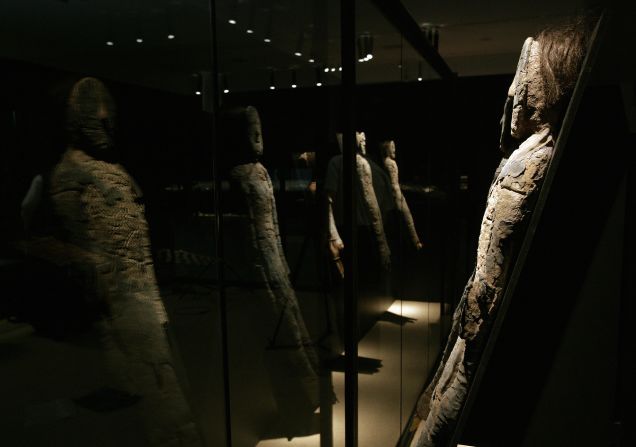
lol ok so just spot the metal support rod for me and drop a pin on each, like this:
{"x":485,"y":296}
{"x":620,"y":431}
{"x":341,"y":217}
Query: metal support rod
{"x":218,"y":223}
{"x":396,"y":13}
{"x":348,"y":55}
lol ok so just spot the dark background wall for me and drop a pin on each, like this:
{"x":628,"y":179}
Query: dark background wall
{"x":443,"y":130}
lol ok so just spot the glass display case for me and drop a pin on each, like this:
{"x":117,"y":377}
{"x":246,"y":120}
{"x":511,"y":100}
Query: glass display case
{"x":232,"y":222}
{"x":289,"y":281}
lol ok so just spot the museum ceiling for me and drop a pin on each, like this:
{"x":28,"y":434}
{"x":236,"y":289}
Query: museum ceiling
{"x":161,"y":43}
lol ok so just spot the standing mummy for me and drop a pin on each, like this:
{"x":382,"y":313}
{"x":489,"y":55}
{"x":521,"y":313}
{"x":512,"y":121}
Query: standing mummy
{"x":388,"y":158}
{"x":370,"y":213}
{"x":546,"y":73}
{"x":103,"y":236}
{"x":243,"y":130}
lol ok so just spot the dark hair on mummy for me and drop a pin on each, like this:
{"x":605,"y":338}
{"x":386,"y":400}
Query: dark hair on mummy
{"x":563,"y":48}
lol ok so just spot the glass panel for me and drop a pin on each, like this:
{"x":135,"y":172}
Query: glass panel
{"x":109,"y":315}
{"x":280,"y":75}
{"x":407,"y":157}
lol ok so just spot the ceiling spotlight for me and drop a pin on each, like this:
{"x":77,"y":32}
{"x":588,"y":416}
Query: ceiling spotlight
{"x":268,"y":27}
{"x":139,"y":40}
{"x":233,"y":11}
{"x":327,"y":70}
{"x":431,"y":32}
{"x":299,"y":43}
{"x":250,"y":18}
{"x":339,"y":68}
{"x":226,"y":87}
{"x":318,"y":78}
{"x":272,"y":83}
{"x":170,"y":13}
{"x":419,"y":78}
{"x":419,"y":71}
{"x":312,"y":60}
{"x":294,"y":79}
{"x":333,"y":69}
{"x":365,"y":47}
{"x":110,"y":35}
{"x":197,"y":93}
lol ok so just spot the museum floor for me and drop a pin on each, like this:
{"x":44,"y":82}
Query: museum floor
{"x":40,"y":378}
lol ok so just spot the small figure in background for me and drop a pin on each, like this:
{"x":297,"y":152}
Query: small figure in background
{"x":373,"y":203}
{"x":369,"y":211}
{"x":309,"y":160}
{"x":388,"y":157}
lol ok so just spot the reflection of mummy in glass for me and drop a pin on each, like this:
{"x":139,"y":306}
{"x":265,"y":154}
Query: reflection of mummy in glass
{"x":104,"y":237}
{"x":388,"y":158}
{"x":546,"y":73}
{"x":256,"y":189}
{"x":371,"y":206}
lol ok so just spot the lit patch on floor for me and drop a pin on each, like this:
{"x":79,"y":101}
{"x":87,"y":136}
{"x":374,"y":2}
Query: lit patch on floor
{"x":412,"y":309}
{"x":408,"y":349}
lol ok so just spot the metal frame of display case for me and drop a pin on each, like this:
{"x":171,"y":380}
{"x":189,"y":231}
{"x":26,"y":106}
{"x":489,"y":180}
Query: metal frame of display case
{"x":348,"y":54}
{"x":214,"y":94}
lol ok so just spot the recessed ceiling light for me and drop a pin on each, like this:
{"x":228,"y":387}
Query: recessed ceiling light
{"x":249,"y":31}
{"x":226,"y":90}
{"x":339,"y":68}
{"x":312,"y":60}
{"x":232,"y":22}
{"x":170,"y":36}
{"x":267,"y":40}
{"x":298,"y":53}
{"x":110,"y":43}
{"x":271,"y":87}
{"x":369,"y":56}
{"x":139,"y":40}
{"x":326,"y":70}
{"x":333,"y":69}
{"x":419,"y":79}
{"x":318,"y":84}
{"x":197,"y":92}
{"x":294,"y":86}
